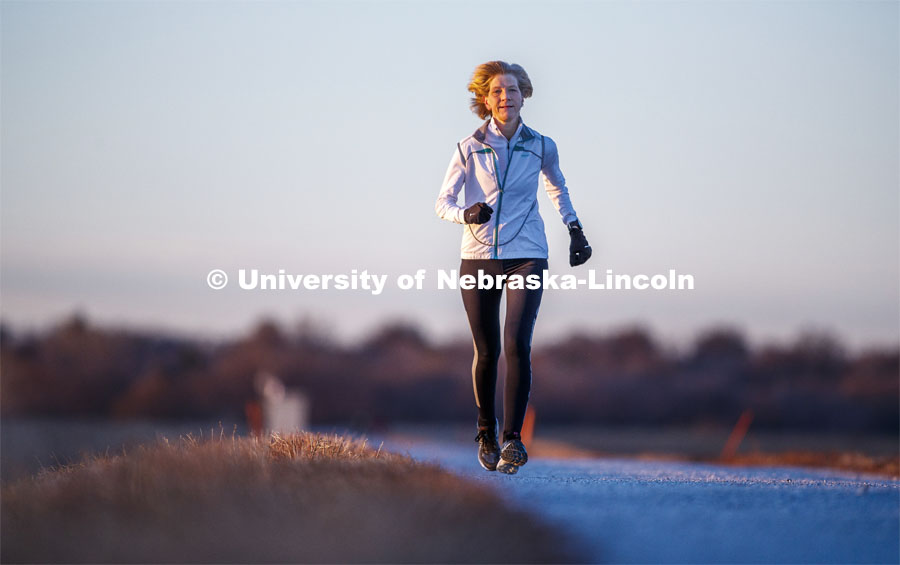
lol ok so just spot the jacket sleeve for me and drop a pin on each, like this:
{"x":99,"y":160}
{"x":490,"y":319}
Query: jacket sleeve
{"x":446,"y":206}
{"x":555,"y":182}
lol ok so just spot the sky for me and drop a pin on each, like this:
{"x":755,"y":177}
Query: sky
{"x":753,"y":145}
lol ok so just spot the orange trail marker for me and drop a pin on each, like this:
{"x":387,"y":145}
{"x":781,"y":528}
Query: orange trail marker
{"x":737,"y":435}
{"x":528,"y":426}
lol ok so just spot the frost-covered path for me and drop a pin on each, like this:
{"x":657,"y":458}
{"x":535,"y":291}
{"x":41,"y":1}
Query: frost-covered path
{"x":630,"y":511}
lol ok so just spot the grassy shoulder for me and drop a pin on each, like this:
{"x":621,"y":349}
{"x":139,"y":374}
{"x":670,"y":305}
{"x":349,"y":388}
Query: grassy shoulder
{"x":297,"y":498}
{"x":886,"y":465}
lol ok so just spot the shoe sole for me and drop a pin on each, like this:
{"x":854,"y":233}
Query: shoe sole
{"x":514,"y":456}
{"x":507,"y":468}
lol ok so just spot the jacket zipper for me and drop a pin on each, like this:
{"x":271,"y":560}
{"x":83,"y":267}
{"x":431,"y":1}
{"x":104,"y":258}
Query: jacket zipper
{"x":500,"y":186}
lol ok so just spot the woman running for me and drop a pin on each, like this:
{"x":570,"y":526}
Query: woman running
{"x":500,"y":166}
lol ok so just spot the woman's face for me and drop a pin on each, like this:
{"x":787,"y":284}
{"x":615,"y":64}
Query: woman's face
{"x":504,"y":98}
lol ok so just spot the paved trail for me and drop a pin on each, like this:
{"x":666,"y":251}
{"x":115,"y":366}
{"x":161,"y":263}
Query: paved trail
{"x":629,"y":511}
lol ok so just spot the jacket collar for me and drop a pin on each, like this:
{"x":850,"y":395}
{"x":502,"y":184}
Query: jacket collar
{"x":481,"y":133}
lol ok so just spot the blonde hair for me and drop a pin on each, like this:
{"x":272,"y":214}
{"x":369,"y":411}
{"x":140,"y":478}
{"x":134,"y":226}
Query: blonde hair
{"x":481,"y":80}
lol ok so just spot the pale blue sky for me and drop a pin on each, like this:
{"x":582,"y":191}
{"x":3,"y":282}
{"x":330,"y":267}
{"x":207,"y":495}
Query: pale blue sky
{"x":752,"y":144}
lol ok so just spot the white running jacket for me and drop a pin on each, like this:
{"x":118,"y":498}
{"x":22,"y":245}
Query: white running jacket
{"x":504,"y":174}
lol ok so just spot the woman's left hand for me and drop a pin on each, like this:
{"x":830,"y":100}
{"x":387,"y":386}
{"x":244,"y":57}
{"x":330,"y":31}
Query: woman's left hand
{"x":579,"y":248}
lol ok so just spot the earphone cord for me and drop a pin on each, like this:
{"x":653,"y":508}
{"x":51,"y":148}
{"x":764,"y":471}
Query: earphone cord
{"x":533,"y":204}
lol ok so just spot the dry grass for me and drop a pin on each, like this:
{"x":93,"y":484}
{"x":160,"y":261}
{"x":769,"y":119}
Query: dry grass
{"x":888,"y":466}
{"x":296,"y":498}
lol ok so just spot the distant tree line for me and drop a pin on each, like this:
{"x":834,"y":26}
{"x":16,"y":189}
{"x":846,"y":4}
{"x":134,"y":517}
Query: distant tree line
{"x":397,"y":375}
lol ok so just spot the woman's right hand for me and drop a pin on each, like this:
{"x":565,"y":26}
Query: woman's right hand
{"x":478,"y":213}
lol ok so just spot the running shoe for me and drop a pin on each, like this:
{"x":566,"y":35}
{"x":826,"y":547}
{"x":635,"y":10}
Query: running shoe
{"x":513,"y":454}
{"x":488,"y":448}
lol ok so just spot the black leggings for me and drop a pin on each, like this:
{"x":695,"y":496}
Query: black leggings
{"x":483,"y":311}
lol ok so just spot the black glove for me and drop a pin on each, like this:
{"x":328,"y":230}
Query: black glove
{"x":579,"y":248}
{"x":478,"y":213}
